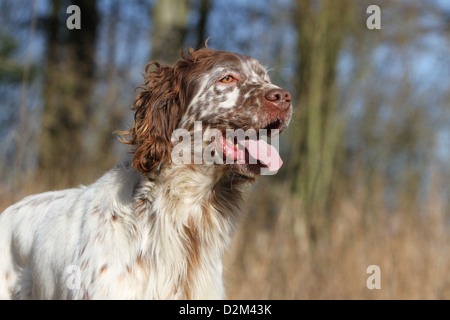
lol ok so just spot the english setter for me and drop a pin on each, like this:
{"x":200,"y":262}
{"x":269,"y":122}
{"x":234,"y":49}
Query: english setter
{"x":154,"y":228}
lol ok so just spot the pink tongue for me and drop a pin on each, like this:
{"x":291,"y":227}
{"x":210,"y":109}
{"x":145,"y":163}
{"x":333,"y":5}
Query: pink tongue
{"x":264,"y":152}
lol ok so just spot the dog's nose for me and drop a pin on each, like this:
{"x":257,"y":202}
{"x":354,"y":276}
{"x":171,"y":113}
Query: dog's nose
{"x":279,"y":97}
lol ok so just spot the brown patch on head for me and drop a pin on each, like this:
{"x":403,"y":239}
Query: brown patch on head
{"x":158,"y":109}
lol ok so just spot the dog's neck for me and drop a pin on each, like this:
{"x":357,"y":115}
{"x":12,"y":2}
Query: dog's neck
{"x":195,"y":209}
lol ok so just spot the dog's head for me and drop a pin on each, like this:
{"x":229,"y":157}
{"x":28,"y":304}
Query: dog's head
{"x":228,"y":94}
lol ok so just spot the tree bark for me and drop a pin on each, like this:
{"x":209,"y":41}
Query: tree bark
{"x":169,"y":18}
{"x":70,"y":69}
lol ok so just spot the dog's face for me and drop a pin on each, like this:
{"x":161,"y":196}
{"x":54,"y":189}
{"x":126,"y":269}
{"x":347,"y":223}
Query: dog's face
{"x":229,"y":94}
{"x":233,"y":93}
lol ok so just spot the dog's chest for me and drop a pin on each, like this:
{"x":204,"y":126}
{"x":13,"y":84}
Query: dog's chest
{"x":183,"y":231}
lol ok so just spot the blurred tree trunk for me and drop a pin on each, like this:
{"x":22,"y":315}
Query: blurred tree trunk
{"x":322,"y":27}
{"x":170,"y":19}
{"x":205,"y":7}
{"x":68,"y":88}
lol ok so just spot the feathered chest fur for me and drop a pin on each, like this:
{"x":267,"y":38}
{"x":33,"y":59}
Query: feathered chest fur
{"x":180,"y":222}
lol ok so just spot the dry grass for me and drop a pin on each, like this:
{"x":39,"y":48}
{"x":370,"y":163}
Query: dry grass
{"x":274,"y":258}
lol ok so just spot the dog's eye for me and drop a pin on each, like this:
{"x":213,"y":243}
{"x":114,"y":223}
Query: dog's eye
{"x":227,"y":79}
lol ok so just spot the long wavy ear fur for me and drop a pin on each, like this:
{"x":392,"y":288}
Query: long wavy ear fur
{"x":157,"y":113}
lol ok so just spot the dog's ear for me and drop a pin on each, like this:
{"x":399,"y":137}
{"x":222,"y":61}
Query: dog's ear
{"x":158,"y":109}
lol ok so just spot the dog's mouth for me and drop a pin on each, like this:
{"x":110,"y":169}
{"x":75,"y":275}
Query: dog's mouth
{"x":273,"y":126}
{"x":251,"y":153}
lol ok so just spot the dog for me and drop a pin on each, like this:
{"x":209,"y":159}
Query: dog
{"x":154,"y":227}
